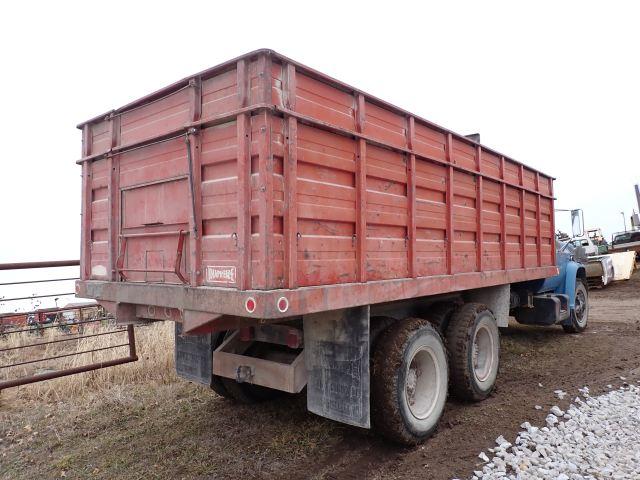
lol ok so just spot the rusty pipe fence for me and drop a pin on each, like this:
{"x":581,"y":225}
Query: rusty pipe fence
{"x":60,"y":331}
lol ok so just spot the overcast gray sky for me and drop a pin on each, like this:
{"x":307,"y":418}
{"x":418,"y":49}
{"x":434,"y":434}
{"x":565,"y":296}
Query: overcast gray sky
{"x":555,"y":85}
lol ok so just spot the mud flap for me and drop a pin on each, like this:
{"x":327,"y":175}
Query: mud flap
{"x":337,"y":362}
{"x":194,"y":356}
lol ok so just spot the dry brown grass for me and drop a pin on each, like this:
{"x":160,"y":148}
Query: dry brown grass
{"x":140,"y":421}
{"x":155,"y":350}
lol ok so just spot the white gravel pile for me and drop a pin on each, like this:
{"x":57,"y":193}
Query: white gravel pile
{"x":598,"y":437}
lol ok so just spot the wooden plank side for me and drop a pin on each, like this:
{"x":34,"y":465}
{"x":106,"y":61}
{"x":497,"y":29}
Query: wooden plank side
{"x":154,"y":119}
{"x":385,"y":126}
{"x":465,"y":237}
{"x":101,"y":135}
{"x":386,"y":214}
{"x":430,"y":217}
{"x":514,"y":245}
{"x":491,"y":225}
{"x":324,"y":102}
{"x":547,"y":234}
{"x":463,"y":154}
{"x":99,"y":213}
{"x":325,"y":84}
{"x":220,"y":93}
{"x":326,"y":207}
{"x":531,"y":230}
{"x":429,"y":142}
{"x":413,"y":199}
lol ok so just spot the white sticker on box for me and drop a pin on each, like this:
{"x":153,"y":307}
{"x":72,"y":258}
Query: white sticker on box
{"x":221,"y":274}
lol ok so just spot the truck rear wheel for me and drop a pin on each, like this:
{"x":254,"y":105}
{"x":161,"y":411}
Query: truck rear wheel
{"x":409,"y":381}
{"x":473,"y":340}
{"x":248,"y":393}
{"x":579,"y":315}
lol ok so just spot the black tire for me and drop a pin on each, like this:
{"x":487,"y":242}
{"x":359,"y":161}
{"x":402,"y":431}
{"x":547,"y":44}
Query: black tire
{"x":377,"y":325}
{"x":407,"y":351}
{"x":579,"y":316}
{"x":248,"y":393}
{"x":439,"y":314}
{"x":217,"y":386}
{"x":473,"y":341}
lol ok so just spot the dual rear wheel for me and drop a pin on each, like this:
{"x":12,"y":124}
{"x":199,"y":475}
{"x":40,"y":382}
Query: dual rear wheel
{"x":409,"y":378}
{"x":415,"y":362}
{"x":473,"y":341}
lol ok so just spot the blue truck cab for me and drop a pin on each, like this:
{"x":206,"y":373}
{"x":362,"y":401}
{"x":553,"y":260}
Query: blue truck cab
{"x":559,"y":300}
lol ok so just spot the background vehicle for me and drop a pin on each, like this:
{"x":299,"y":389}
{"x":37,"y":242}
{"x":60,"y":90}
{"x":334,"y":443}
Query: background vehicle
{"x":562,"y":299}
{"x":596,"y":236}
{"x":590,"y":248}
{"x":626,"y":241}
{"x":303,"y":233}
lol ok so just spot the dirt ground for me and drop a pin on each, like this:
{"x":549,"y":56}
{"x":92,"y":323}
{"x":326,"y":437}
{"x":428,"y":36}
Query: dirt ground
{"x":184,"y":431}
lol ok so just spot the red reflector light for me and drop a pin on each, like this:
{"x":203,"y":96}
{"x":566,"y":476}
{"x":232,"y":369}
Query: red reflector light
{"x":250,"y":305}
{"x":283,"y":304}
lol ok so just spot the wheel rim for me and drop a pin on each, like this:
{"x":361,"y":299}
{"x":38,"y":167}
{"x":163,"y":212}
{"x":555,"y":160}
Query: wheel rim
{"x":581,"y":307}
{"x":423,"y":383}
{"x":483,"y":353}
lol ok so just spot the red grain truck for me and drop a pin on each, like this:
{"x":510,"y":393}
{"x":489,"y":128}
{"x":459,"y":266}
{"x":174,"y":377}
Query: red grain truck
{"x":301,"y":232}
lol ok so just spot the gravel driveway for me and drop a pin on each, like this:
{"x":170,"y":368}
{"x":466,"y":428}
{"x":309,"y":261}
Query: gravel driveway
{"x":596,"y":437}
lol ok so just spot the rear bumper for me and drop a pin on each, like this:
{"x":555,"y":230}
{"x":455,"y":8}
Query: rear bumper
{"x":269,"y":304}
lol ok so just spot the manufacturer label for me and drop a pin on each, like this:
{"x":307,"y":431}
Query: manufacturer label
{"x":218,"y":274}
